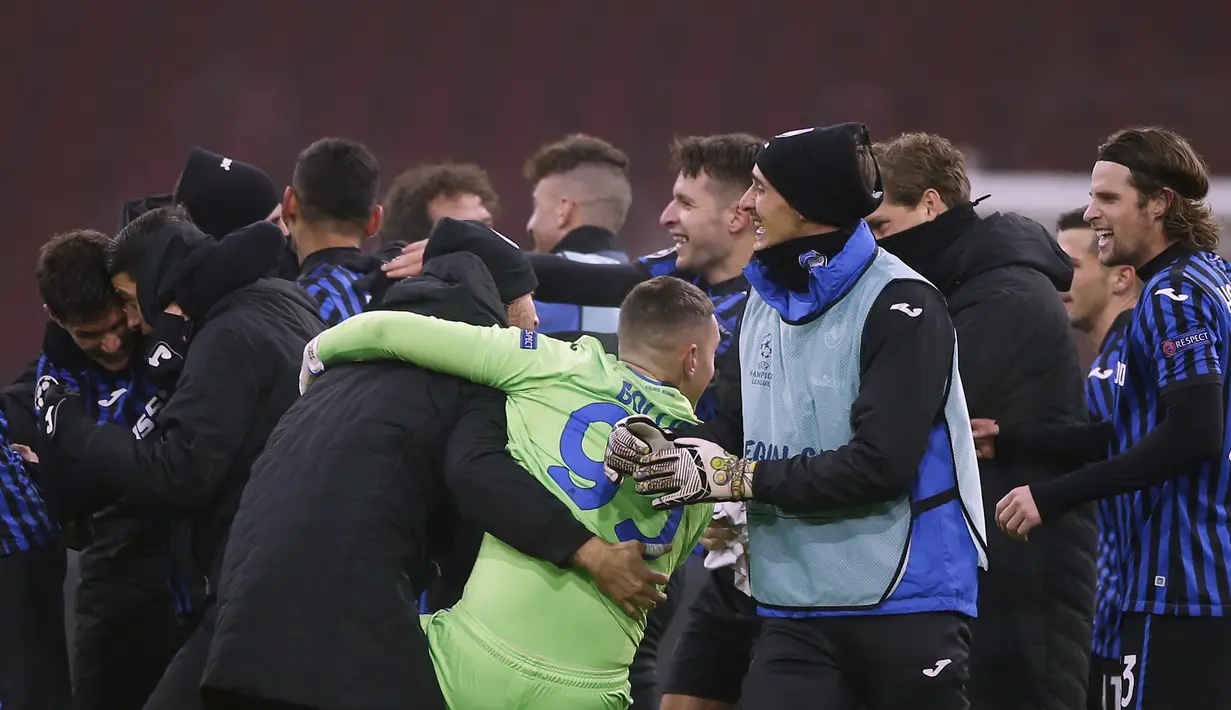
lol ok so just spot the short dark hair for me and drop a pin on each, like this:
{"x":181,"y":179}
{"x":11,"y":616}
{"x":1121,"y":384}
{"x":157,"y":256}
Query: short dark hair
{"x":1076,"y":219}
{"x":72,"y":276}
{"x":655,"y":309}
{"x":127,"y":250}
{"x":914,"y":162}
{"x":572,"y":152}
{"x":406,"y":213}
{"x":1160,"y":159}
{"x":337,"y":180}
{"x":1073,"y":219}
{"x":728,"y":159}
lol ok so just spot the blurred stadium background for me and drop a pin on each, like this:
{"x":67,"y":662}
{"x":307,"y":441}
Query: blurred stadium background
{"x":101,"y":101}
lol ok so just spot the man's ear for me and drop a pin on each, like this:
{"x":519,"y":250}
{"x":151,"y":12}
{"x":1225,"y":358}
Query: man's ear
{"x":931,"y":203}
{"x":290,"y":205}
{"x":1124,"y":281}
{"x":566,"y":210}
{"x":1158,"y":204}
{"x":737,"y":220}
{"x":690,"y":360}
{"x":374,"y":221}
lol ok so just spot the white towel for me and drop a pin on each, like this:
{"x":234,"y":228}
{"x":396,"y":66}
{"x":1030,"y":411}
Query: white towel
{"x":735,"y":554}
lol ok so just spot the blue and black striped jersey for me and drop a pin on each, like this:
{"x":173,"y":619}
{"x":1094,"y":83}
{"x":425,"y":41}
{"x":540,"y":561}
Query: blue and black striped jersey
{"x":1174,"y":542}
{"x":334,"y":282}
{"x":24,"y":521}
{"x":1101,"y":396}
{"x":729,"y":298}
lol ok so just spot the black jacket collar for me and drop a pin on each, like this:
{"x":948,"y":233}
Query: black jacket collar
{"x":586,"y":239}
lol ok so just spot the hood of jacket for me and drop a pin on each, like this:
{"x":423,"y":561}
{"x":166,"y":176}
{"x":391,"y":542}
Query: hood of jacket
{"x":455,"y":287}
{"x":960,"y":245}
{"x":187,"y":267}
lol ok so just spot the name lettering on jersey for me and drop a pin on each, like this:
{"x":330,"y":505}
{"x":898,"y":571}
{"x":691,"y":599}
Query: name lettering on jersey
{"x":1099,"y":374}
{"x":762,"y":451}
{"x":905,"y":308}
{"x":638,"y":403}
{"x":1121,"y":372}
{"x":1170,"y":293}
{"x":529,"y":340}
{"x":1186,"y":341}
{"x":145,"y":424}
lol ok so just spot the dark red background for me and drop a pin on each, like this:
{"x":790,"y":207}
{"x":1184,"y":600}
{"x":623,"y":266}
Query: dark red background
{"x":99,"y":101}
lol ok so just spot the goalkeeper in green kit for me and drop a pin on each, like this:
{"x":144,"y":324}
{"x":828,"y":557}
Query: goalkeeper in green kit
{"x":527,"y":634}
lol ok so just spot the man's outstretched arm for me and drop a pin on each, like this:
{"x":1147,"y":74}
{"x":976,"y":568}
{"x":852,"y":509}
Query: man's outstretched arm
{"x":504,"y":358}
{"x":563,"y":280}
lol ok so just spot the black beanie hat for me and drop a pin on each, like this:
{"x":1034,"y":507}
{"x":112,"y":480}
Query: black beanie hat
{"x":817,"y":171}
{"x":222,"y":195}
{"x":135,"y":208}
{"x":508,"y":265}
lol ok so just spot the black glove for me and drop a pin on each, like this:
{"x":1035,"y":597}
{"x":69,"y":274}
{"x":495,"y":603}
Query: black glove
{"x":165,"y":348}
{"x":63,"y":409}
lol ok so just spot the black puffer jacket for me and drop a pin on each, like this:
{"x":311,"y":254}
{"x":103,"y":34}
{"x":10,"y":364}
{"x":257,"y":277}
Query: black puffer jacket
{"x":1018,"y":363}
{"x":239,"y":375}
{"x":349,"y":505}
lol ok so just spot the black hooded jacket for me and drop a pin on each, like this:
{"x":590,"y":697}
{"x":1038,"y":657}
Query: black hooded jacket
{"x":359,"y":489}
{"x":1001,"y":276}
{"x":239,"y":375}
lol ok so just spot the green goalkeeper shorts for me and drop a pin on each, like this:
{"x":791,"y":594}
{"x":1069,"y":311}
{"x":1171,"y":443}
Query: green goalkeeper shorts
{"x":476,"y":671}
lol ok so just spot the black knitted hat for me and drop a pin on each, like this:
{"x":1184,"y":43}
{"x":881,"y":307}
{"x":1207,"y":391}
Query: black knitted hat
{"x":817,"y":171}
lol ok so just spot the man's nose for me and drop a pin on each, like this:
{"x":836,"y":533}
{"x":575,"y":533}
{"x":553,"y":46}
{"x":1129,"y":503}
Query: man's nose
{"x":111,"y":344}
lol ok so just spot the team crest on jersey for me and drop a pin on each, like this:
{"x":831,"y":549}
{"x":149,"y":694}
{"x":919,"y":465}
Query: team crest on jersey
{"x":1185,"y":342}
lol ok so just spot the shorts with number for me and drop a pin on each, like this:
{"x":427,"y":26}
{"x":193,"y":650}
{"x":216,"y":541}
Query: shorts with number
{"x":1175,"y":662}
{"x":476,"y":670}
{"x":1105,"y":683}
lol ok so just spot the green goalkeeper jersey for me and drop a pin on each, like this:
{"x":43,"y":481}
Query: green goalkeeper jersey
{"x":563,"y":399}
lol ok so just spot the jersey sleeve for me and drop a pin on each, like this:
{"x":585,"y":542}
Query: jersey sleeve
{"x":1181,"y":330}
{"x":505,"y":358}
{"x":660,"y":263}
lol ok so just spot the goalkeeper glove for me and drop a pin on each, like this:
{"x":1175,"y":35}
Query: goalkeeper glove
{"x":311,"y":366}
{"x":695,"y":471}
{"x":631,"y":439}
